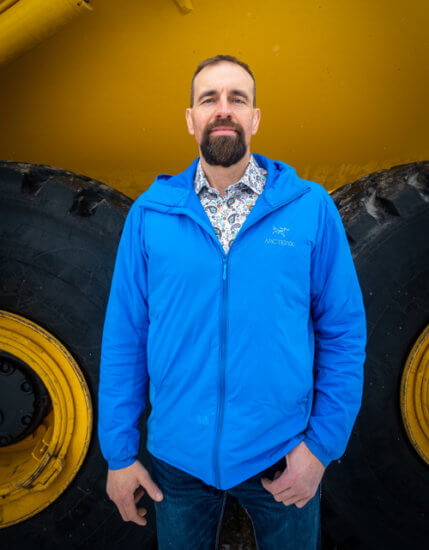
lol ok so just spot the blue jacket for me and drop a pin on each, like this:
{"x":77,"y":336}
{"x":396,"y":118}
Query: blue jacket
{"x":244,"y":354}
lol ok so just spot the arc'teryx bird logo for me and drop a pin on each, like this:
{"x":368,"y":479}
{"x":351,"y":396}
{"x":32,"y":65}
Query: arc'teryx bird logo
{"x":279,"y":230}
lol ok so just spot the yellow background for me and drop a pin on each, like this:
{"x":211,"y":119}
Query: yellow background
{"x":342,"y":86}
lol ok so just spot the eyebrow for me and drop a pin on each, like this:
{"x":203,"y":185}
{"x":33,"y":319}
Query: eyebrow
{"x":213,"y":92}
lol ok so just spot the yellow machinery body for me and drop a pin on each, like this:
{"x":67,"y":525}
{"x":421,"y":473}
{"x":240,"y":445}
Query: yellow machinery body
{"x":342,"y":86}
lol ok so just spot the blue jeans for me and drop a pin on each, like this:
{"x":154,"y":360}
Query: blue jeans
{"x":191,"y":513}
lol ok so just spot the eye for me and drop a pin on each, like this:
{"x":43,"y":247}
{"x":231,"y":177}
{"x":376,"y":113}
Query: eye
{"x":205,"y":101}
{"x":239,"y":100}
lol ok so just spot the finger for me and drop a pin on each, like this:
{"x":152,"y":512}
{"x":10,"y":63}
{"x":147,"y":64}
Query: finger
{"x":301,"y":503}
{"x":266,"y":484}
{"x":287,"y":493}
{"x":125,"y":513}
{"x":272,"y":484}
{"x":142,"y":512}
{"x":122,"y":512}
{"x":291,"y":500}
{"x":151,"y":487}
{"x":138,"y":494}
{"x":279,"y":484}
{"x":280,"y":481}
{"x":131,"y":513}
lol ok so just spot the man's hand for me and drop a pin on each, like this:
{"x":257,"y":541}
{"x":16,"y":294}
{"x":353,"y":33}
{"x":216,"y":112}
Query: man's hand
{"x":299,"y":481}
{"x":126,"y":487}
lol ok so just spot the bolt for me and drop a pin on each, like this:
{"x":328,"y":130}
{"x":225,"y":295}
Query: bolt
{"x":25,"y":387}
{"x":6,"y":367}
{"x":26,"y":419}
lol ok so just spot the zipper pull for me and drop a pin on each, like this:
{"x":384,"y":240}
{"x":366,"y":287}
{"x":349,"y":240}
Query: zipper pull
{"x":224,"y":269}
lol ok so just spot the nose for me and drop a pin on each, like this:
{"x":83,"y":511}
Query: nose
{"x":223,"y":108}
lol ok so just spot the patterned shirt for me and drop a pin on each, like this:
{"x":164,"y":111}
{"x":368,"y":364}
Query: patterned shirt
{"x":228,"y":212}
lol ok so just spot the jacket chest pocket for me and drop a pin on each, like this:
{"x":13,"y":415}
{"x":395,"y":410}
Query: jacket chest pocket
{"x":293,"y":260}
{"x":180,"y":252}
{"x":274,"y":268}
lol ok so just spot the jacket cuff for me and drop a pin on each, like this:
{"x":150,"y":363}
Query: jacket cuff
{"x":118,"y":464}
{"x":318,"y":451}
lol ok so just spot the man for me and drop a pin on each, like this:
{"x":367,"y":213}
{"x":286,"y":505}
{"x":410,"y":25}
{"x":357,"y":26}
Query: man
{"x":235,"y":303}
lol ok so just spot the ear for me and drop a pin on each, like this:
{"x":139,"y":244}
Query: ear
{"x":189,"y":121}
{"x":256,"y":120}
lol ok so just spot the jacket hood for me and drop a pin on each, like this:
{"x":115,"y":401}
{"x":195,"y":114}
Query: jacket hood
{"x":282,"y":183}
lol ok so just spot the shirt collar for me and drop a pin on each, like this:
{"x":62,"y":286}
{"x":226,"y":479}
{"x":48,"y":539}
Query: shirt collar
{"x":254,"y":177}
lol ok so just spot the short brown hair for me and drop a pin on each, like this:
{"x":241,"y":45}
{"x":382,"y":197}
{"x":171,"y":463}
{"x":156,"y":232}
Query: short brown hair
{"x":217,"y":59}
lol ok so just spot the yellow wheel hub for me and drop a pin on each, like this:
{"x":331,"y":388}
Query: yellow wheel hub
{"x":415,"y":395}
{"x":37,"y":469}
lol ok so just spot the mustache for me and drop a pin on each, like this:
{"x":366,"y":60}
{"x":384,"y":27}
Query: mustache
{"x":226,"y":124}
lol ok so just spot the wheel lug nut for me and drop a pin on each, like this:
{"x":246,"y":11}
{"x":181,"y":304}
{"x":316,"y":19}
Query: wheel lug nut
{"x":6,"y":368}
{"x":26,"y":420}
{"x":25,"y":387}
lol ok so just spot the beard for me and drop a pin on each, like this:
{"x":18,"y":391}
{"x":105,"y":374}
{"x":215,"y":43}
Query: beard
{"x":223,"y":150}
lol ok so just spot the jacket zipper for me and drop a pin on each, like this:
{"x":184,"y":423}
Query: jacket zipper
{"x":219,"y":420}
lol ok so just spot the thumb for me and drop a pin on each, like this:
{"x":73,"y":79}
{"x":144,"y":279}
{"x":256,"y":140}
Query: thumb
{"x":151,"y":487}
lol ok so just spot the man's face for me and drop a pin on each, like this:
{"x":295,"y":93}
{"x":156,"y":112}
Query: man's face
{"x":222,"y":118}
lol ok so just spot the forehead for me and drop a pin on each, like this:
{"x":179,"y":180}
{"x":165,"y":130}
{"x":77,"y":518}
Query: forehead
{"x":223,"y":75}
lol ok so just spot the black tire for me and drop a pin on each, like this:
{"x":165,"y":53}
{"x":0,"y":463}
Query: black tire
{"x":59,"y":234}
{"x":375,"y":496}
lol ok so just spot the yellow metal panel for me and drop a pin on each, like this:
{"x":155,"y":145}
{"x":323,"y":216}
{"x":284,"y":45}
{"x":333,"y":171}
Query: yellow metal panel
{"x":342,"y":86}
{"x":25,"y":23}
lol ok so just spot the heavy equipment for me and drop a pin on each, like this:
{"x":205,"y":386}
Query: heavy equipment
{"x":93,"y":98}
